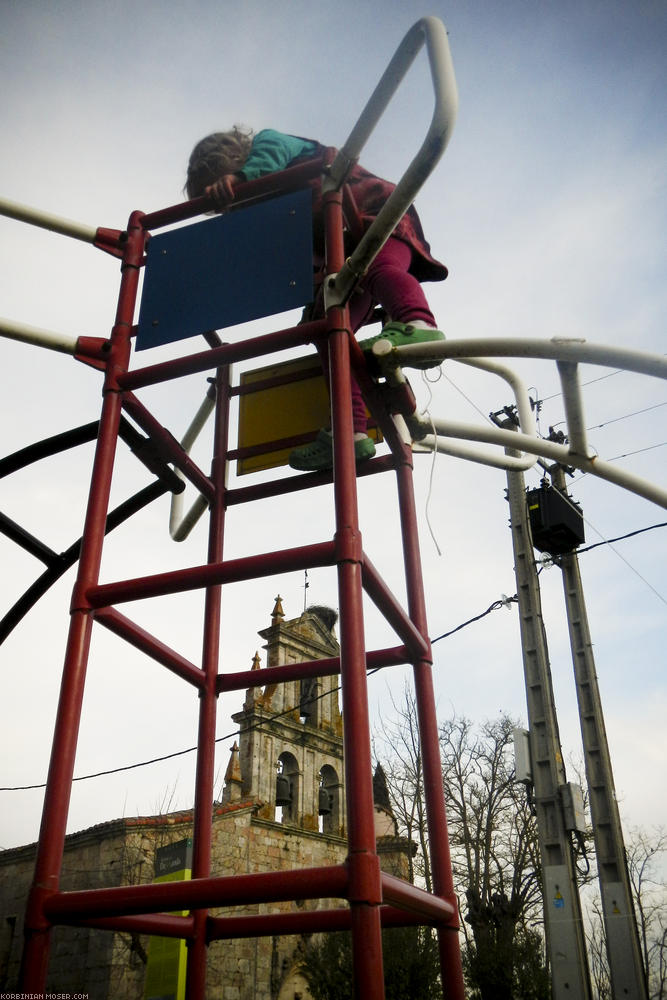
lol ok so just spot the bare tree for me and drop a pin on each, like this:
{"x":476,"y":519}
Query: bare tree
{"x":597,"y":950}
{"x":400,"y":756}
{"x":646,"y":856}
{"x":494,"y":853}
{"x":493,"y":841}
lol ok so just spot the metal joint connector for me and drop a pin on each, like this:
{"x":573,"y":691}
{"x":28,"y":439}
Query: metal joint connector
{"x":365,"y":885}
{"x":348,"y":546}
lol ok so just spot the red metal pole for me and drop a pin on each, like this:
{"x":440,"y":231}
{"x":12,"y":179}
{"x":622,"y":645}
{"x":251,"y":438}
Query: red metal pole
{"x":148,"y":644}
{"x":365,"y":892}
{"x":205,"y":776}
{"x":436,"y":817}
{"x":63,"y":752}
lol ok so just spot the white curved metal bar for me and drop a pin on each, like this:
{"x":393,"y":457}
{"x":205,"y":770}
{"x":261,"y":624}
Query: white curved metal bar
{"x":45,"y":220}
{"x":38,"y":337}
{"x":568,"y":354}
{"x":181,"y":525}
{"x":179,"y":530}
{"x":523,"y":404}
{"x":496,"y":459}
{"x":547,"y":449}
{"x":574,"y":412}
{"x":421,"y":428}
{"x":556,"y":349}
{"x":429,"y":31}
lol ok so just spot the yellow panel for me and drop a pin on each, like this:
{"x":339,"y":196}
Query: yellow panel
{"x":167,"y":957}
{"x":299,"y":405}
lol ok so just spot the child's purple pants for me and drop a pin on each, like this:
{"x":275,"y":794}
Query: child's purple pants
{"x":387,"y":283}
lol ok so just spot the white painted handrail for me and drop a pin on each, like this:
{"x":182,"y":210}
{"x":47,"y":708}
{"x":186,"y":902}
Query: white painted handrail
{"x":430,"y":434}
{"x":45,"y":220}
{"x":429,"y":31}
{"x":557,"y":349}
{"x":436,"y":435}
{"x":38,"y":337}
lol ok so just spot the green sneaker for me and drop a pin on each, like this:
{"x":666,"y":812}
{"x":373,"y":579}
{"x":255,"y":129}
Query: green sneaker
{"x":317,"y":455}
{"x":402,"y":335}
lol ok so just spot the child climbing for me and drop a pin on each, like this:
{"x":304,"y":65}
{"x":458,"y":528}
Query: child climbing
{"x":221,"y":161}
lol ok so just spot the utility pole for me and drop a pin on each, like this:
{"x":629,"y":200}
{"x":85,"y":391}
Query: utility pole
{"x":628,"y":979}
{"x":562,"y":907}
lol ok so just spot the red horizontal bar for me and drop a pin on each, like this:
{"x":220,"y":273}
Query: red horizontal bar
{"x":278,"y":675}
{"x":306,"y":481}
{"x":170,"y":449}
{"x":302,"y":375}
{"x":160,"y":924}
{"x":393,"y":611}
{"x":259,"y":925}
{"x":201,"y":893}
{"x":254,"y":347}
{"x":375,"y":660}
{"x":284,"y":180}
{"x":407,"y":896}
{"x":231,"y":571}
{"x":309,"y":922}
{"x":147,"y":643}
{"x":266,"y":447}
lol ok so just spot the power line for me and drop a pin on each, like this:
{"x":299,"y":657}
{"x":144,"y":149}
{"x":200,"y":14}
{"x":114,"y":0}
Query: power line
{"x":626,"y":561}
{"x":626,"y":416}
{"x":600,"y":378}
{"x":504,"y":602}
{"x":630,"y":534}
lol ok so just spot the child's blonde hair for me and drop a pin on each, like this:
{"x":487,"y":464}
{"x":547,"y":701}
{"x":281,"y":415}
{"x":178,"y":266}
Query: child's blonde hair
{"x":218,"y":154}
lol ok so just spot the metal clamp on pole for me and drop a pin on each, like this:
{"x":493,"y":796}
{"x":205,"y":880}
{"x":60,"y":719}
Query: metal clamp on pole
{"x":431,"y":32}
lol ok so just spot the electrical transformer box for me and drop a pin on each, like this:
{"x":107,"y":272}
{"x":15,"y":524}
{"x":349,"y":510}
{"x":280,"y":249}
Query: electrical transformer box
{"x":572,"y":797}
{"x":556,"y":521}
{"x":522,"y":767}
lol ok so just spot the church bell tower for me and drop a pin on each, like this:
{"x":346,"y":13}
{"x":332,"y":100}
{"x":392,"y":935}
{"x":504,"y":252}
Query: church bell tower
{"x":290,"y":754}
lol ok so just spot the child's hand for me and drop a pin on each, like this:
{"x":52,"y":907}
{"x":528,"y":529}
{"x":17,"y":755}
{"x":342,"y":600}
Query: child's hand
{"x":222,"y":191}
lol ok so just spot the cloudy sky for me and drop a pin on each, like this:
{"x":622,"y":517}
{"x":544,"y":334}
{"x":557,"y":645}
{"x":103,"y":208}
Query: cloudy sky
{"x":549,"y":209}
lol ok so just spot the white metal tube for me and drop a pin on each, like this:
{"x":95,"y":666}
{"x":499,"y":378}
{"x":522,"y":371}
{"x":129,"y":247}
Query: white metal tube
{"x":422,"y":427}
{"x":430,"y":31}
{"x":521,"y":397}
{"x":572,"y":402}
{"x":496,"y":459}
{"x":556,"y":349}
{"x":486,"y":435}
{"x":556,"y":453}
{"x":40,"y":338}
{"x":180,"y":526}
{"x":44,"y":220}
{"x":199,"y":420}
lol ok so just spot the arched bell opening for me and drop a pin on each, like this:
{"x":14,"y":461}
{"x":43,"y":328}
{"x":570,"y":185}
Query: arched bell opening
{"x":287,"y":789}
{"x":329,"y":800}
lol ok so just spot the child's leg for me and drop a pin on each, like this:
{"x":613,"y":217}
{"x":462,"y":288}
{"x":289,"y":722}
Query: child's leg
{"x":359,"y":419}
{"x":389,"y":283}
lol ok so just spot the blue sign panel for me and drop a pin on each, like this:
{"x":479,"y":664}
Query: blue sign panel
{"x":228,"y":270}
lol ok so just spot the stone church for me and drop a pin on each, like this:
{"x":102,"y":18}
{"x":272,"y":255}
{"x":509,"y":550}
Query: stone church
{"x":283,"y":807}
